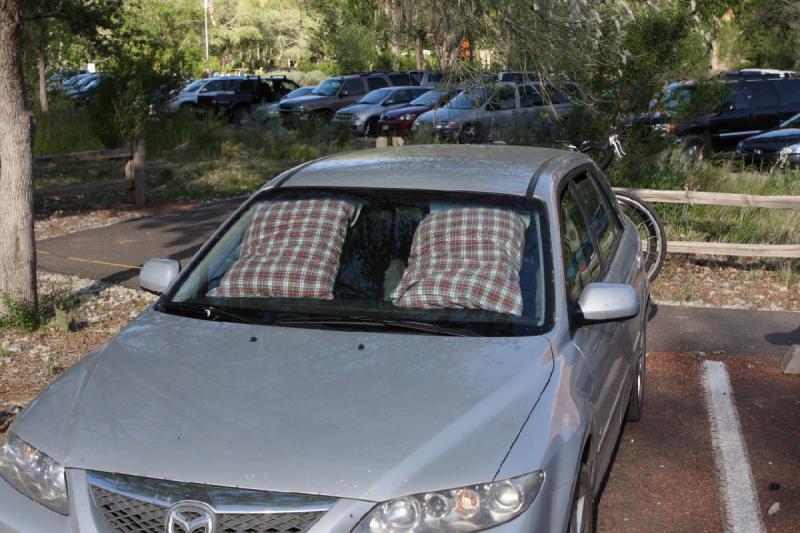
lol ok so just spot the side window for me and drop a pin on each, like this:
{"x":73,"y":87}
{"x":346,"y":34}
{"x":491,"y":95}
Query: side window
{"x":353,"y":87}
{"x":376,"y":83}
{"x":213,"y":86}
{"x":400,"y":79}
{"x":791,"y":91}
{"x":581,"y":263}
{"x":739,"y":99}
{"x":504,"y":98}
{"x":415,"y":93}
{"x":529,"y":96}
{"x":231,"y":85}
{"x":763,"y":95}
{"x":598,"y":210}
{"x":556,"y":96}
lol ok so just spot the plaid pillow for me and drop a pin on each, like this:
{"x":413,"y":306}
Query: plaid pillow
{"x":466,"y":258}
{"x":291,"y":250}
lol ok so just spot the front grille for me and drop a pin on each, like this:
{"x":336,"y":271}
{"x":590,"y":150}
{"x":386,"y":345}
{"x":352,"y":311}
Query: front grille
{"x":344,"y":116}
{"x":126,"y":514}
{"x":141,"y":505}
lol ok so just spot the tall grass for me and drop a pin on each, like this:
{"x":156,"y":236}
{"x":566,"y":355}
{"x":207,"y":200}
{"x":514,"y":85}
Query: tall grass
{"x":63,"y":129}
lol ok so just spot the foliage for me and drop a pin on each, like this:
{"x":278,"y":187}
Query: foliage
{"x":354,"y":50}
{"x":706,"y":97}
{"x":19,"y":314}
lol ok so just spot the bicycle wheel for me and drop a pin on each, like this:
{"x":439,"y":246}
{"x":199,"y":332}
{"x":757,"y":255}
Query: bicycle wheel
{"x":651,"y":232}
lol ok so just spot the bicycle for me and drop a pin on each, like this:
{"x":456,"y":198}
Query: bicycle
{"x":647,"y":222}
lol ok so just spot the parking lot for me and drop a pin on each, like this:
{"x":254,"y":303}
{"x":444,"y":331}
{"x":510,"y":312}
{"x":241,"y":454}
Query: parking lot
{"x":664,"y":477}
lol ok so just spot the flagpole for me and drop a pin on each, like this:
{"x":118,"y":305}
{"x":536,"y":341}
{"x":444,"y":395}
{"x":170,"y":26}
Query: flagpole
{"x":205,"y":16}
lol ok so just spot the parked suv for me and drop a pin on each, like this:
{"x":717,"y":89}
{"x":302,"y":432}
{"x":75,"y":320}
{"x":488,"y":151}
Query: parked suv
{"x":752,"y":107}
{"x":479,"y":114}
{"x":336,"y":93}
{"x":362,"y":117}
{"x":236,"y":105}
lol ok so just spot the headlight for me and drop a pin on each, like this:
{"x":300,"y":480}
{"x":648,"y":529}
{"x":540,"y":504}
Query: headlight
{"x":359,"y":114}
{"x":739,"y":148}
{"x":792,"y":149}
{"x":451,"y":125}
{"x":456,"y":510}
{"x":299,"y":109}
{"x":407,"y":116}
{"x":33,"y":473}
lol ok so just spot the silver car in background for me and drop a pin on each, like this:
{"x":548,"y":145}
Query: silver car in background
{"x":485,"y":113}
{"x":362,"y":117}
{"x":416,"y":339}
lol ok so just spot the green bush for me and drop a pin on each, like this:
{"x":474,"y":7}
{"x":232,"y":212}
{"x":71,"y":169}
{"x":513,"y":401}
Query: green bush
{"x":19,"y":314}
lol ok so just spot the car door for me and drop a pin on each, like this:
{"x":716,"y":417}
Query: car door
{"x":351,"y":91}
{"x":500,"y":110}
{"x":765,"y":104}
{"x":591,"y":240}
{"x":734,"y":121}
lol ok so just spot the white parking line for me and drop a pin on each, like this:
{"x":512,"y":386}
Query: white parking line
{"x":737,"y":487}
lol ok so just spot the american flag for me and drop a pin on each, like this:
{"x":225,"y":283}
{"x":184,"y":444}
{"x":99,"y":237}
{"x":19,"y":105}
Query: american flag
{"x":211,"y":10}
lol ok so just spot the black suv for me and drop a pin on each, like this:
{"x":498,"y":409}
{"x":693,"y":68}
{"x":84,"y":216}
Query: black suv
{"x":242,"y":94}
{"x":753,"y":106}
{"x":338,"y":92}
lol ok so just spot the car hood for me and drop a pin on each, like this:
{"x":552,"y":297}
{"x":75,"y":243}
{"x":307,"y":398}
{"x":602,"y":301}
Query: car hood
{"x":442,"y":114}
{"x":782,"y":137}
{"x":302,"y":100}
{"x":358,"y":107}
{"x":361,"y":415}
{"x":414,"y":110}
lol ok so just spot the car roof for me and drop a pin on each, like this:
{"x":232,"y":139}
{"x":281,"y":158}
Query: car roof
{"x":493,"y":169}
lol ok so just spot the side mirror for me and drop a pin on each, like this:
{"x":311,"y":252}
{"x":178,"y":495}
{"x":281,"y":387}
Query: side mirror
{"x":607,"y":302}
{"x":344,"y":93}
{"x":157,"y":274}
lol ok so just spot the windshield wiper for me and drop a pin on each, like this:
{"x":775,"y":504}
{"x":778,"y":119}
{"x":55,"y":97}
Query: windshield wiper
{"x":207,"y":312}
{"x":334,"y":320}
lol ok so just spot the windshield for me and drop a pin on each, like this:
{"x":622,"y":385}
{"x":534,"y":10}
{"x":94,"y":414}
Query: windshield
{"x":328,"y":88}
{"x":194,"y":86}
{"x":793,"y":122}
{"x":469,"y":99}
{"x":461,"y":262}
{"x":376,"y":97}
{"x":429,"y":99}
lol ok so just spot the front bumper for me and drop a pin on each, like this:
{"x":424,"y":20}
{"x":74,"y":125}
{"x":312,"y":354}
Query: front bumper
{"x":400,"y":127}
{"x":756,"y":156}
{"x":20,"y":514}
{"x":358,"y":127}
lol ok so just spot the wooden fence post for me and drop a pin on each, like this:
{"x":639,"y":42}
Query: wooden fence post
{"x":139,"y":174}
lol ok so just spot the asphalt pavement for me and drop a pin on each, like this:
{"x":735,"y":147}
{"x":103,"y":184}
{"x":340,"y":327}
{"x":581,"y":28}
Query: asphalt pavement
{"x":114,"y":254}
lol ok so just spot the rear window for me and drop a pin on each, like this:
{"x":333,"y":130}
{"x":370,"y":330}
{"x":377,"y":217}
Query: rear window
{"x":473,"y":264}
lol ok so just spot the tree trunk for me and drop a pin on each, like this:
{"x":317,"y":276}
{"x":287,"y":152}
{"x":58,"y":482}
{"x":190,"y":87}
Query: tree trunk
{"x":420,"y":42}
{"x":17,"y":249}
{"x":41,"y":53}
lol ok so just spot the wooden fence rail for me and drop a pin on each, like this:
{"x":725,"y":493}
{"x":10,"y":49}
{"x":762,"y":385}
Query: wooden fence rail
{"x":133,"y":183}
{"x":791,"y":251}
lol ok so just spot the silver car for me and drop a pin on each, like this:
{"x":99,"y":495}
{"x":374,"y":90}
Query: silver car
{"x":415,"y":339}
{"x":362,"y":117}
{"x":482,"y":114}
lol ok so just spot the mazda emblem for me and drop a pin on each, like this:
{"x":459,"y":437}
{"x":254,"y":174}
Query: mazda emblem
{"x":189,"y":516}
